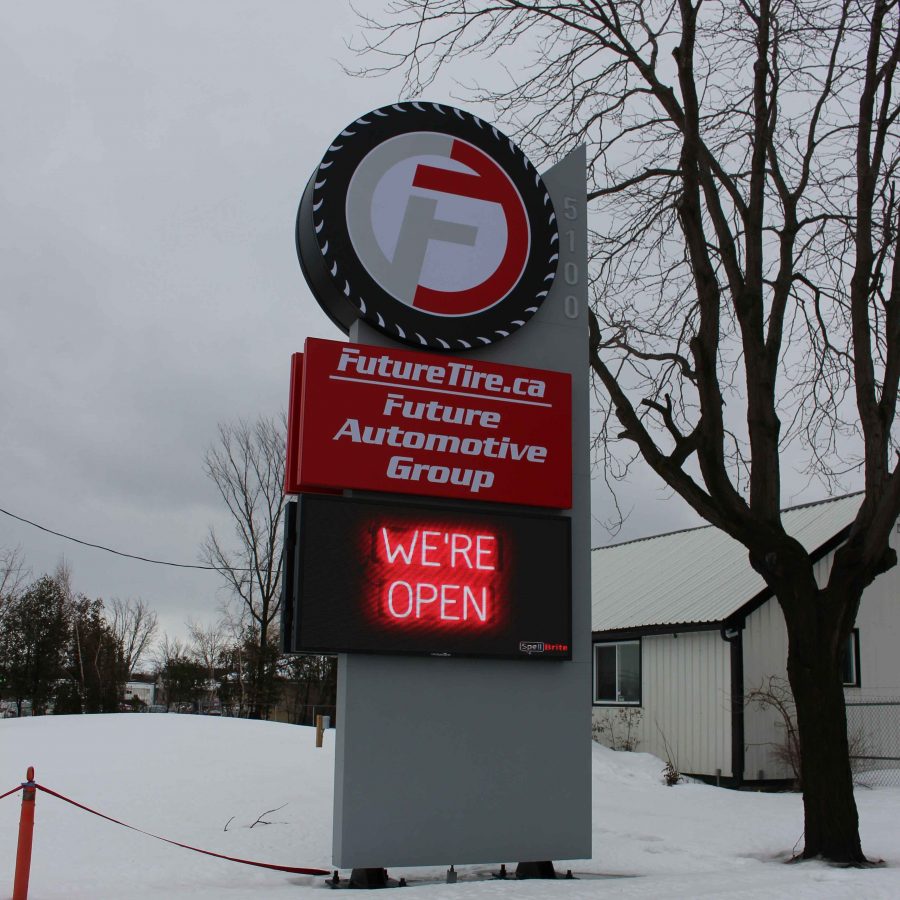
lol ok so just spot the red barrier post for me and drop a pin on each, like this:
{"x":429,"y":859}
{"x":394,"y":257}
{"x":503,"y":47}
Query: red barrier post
{"x":26,"y":832}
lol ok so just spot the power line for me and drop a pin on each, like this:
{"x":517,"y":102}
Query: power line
{"x":157,"y":562}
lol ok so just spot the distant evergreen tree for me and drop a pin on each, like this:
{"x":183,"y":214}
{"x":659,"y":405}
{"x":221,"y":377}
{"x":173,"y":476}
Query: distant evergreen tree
{"x":315,"y":681}
{"x":261,"y":674}
{"x":184,"y":680}
{"x":58,"y":648}
{"x":95,"y":661}
{"x":249,"y":684}
{"x":34,"y":628}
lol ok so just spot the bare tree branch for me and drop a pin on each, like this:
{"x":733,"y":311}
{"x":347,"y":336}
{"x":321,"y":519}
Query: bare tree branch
{"x":261,"y":821}
{"x":247,"y":467}
{"x":745,"y":270}
{"x":13,"y":574}
{"x":134,"y":625}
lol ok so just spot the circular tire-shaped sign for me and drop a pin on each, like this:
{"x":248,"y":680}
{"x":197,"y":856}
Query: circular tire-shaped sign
{"x":431,"y":226}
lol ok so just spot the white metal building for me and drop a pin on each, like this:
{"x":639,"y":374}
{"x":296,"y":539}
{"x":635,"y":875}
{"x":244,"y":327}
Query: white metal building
{"x":145,"y":691}
{"x":684,"y":629}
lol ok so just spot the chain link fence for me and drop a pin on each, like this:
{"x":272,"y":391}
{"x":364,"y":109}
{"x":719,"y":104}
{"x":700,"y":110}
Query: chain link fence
{"x":873,"y":728}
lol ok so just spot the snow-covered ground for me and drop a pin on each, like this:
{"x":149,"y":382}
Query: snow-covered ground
{"x":187,"y":777}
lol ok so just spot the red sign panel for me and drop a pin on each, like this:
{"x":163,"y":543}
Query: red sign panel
{"x":381,"y":419}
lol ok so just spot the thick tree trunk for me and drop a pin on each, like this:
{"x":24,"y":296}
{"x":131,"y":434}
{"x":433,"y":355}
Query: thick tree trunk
{"x":814,"y":669}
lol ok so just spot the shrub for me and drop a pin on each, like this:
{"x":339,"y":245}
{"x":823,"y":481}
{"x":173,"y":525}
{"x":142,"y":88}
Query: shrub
{"x":618,"y":729}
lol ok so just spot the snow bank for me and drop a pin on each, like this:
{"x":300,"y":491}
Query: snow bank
{"x":205,"y":781}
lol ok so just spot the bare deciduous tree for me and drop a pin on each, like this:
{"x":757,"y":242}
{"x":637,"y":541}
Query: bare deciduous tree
{"x":743,"y":157}
{"x":134,"y":626}
{"x":13,"y":574}
{"x":182,"y":675}
{"x":168,"y":649}
{"x":247,"y":466}
{"x":208,"y":644}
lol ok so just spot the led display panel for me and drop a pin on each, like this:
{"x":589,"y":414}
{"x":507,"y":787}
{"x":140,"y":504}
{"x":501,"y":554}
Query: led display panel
{"x":403,"y":578}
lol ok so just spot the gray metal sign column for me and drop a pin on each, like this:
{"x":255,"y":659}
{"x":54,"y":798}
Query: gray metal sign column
{"x":443,"y":761}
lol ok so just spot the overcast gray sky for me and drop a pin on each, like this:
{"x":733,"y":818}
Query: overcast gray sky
{"x":152,"y":160}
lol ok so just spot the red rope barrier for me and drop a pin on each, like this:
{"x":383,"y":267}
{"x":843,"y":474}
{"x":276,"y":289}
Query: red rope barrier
{"x":15,"y":790}
{"x":296,"y":870}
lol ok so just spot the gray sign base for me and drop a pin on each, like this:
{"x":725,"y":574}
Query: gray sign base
{"x":441,"y":761}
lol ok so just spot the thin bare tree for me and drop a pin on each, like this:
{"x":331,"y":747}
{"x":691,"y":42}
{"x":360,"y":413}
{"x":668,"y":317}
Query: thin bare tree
{"x":743,"y":158}
{"x":235,"y":623}
{"x":246,"y":464}
{"x":182,"y":675}
{"x":62,"y":576}
{"x":208,"y":643}
{"x":167,"y":649}
{"x":134,"y":625}
{"x":13,"y":574}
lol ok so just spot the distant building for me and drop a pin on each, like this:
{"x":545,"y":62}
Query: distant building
{"x":142,"y":687}
{"x":684,"y":628}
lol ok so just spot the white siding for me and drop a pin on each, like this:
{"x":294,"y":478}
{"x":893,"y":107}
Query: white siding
{"x":686,"y":681}
{"x":143,"y":690}
{"x":765,"y":656}
{"x":874,"y":727}
{"x":878,"y":622}
{"x":686,"y":696}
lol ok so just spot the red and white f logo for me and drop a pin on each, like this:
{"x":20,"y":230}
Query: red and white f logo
{"x":437,"y":224}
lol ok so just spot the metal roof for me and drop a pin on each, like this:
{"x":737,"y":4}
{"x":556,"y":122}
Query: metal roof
{"x":696,"y":576}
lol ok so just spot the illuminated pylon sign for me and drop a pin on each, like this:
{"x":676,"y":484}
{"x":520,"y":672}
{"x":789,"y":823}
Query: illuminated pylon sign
{"x":424,"y":225}
{"x":430,"y":225}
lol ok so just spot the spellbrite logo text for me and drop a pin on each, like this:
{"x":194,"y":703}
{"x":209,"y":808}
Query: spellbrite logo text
{"x":540,"y":647}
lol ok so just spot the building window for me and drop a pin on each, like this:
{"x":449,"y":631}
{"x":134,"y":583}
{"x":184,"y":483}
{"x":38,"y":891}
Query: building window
{"x":617,"y":673}
{"x":851,"y":660}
